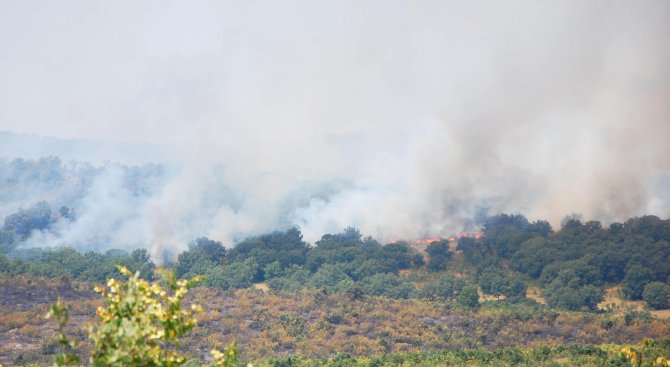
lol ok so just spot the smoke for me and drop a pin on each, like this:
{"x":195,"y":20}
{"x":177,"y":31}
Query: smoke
{"x":403,"y":119}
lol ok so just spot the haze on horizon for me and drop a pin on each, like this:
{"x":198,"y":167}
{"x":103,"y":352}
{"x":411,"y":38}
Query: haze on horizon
{"x":404,"y":119}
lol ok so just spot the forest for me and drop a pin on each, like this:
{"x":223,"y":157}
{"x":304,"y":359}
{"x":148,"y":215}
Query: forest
{"x":335,"y":183}
{"x":515,"y":292}
{"x":572,"y":266}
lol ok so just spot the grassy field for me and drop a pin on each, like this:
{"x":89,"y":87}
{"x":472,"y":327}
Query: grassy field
{"x":316,"y":325}
{"x":554,"y":356}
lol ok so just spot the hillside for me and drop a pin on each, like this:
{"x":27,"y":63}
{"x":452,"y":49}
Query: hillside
{"x":517,"y":285}
{"x":318,"y":324}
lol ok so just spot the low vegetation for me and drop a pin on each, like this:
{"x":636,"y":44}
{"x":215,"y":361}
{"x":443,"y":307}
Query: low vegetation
{"x":314,"y":324}
{"x":140,"y":324}
{"x":289,"y":303}
{"x":573,"y":266}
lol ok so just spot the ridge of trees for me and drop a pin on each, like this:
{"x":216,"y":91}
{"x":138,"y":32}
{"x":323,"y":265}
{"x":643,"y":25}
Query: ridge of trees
{"x":573,"y":264}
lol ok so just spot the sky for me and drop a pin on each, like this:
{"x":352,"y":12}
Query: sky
{"x":410,"y":115}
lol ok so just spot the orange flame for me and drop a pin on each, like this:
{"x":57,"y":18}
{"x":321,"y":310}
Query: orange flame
{"x":427,"y":240}
{"x":455,"y":237}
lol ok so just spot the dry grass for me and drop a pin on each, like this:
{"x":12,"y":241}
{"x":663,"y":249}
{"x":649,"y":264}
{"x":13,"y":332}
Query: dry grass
{"x":661,"y":314}
{"x":488,"y":297}
{"x":535,"y":293}
{"x":262,"y":287}
{"x":615,"y":303}
{"x":269,"y":323}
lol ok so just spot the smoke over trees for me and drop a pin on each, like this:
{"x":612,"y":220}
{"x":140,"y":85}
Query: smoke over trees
{"x":406,"y":120}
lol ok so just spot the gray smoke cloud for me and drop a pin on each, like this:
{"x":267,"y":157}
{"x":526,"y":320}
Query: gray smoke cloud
{"x":404,"y":119}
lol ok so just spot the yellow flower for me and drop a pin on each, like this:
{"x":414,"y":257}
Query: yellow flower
{"x":196,"y":308}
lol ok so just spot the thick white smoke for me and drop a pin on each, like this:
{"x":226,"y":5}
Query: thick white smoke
{"x":403,"y":119}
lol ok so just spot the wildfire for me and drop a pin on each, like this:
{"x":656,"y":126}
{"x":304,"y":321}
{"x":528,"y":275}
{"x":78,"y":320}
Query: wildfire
{"x":428,"y":240}
{"x":455,"y":237}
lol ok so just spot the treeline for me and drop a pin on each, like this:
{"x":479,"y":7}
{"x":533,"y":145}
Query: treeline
{"x":343,"y":262}
{"x":37,"y":195}
{"x":68,"y":263}
{"x":557,"y":355}
{"x":572,"y":265}
{"x":18,"y":226}
{"x":575,"y":263}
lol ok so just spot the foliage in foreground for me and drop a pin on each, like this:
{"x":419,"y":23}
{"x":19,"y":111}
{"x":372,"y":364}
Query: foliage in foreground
{"x":140,"y":325}
{"x":559,"y":355}
{"x":315,"y":324}
{"x":646,"y":355}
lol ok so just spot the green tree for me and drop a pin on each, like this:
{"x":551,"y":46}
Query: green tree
{"x":202,"y":255}
{"x":443,"y":288}
{"x":330,"y":276}
{"x":236,"y":275}
{"x":533,"y":255}
{"x":400,"y":255}
{"x":657,"y":295}
{"x":272,"y":270}
{"x":25,"y":221}
{"x":469,"y":298}
{"x":637,"y":277}
{"x":497,"y":282}
{"x":570,"y":292}
{"x":439,"y":255}
{"x":4,"y":264}
{"x":285,"y":247}
{"x":295,"y":277}
{"x":388,"y":285}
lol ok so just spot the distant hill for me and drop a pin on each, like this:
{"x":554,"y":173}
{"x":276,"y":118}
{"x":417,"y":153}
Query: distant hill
{"x":28,"y":146}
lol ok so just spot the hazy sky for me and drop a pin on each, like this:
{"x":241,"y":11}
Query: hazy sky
{"x":161,"y":71}
{"x":426,"y":110}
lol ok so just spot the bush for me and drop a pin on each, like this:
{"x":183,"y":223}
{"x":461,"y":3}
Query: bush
{"x":637,"y":277}
{"x":439,"y":255}
{"x":497,"y":282}
{"x":236,"y":275}
{"x":139,"y":326}
{"x":142,"y":322}
{"x":657,"y":295}
{"x":469,"y":298}
{"x":444,"y":288}
{"x":569,"y":292}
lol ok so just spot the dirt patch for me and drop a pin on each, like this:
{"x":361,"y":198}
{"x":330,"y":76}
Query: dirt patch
{"x":535,"y":293}
{"x":661,"y":314}
{"x":488,"y":297}
{"x":261,"y":286}
{"x":613,"y":301}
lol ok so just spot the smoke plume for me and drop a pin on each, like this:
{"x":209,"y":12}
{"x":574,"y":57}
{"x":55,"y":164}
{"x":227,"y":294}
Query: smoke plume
{"x":404,"y":119}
